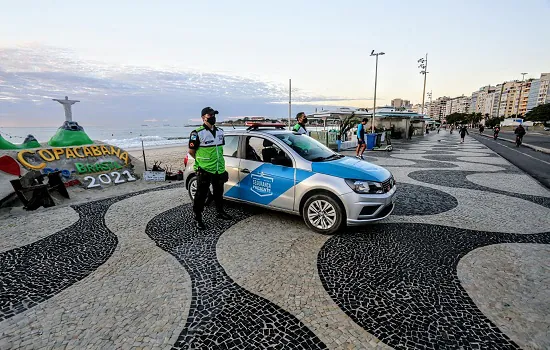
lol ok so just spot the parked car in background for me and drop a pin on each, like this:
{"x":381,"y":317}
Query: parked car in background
{"x":285,"y":171}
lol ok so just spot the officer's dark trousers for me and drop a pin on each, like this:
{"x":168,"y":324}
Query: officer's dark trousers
{"x":204,"y":180}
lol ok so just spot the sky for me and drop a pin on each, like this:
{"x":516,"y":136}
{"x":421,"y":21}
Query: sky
{"x":102,"y":52}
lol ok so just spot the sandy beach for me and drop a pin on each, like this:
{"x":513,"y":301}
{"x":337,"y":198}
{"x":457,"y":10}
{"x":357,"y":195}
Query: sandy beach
{"x":171,"y":157}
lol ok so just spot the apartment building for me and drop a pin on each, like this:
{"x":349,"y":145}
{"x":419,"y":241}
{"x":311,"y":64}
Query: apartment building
{"x":509,"y":95}
{"x":539,"y":92}
{"x":400,"y":103}
{"x":489,"y":106}
{"x":523,"y":97}
{"x":437,"y":109}
{"x":417,"y":108}
{"x":459,"y":104}
{"x":480,"y":98}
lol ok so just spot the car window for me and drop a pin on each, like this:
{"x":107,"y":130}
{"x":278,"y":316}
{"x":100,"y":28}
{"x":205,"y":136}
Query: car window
{"x":231,"y":146}
{"x":307,"y":147}
{"x":264,"y":150}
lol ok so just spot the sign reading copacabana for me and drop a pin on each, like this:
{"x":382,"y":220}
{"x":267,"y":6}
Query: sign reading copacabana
{"x":94,"y":166}
{"x":37,"y":159}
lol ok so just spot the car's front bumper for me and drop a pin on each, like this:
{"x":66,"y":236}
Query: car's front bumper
{"x":364,"y":208}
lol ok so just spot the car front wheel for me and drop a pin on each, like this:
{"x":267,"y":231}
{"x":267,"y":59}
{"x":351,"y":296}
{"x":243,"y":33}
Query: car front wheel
{"x":323,"y":214}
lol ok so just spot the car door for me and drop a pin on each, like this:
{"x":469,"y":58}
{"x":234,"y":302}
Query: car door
{"x":230,"y":154}
{"x":263,"y":182}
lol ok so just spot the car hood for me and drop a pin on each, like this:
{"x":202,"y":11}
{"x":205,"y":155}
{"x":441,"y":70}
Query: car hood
{"x":351,"y":168}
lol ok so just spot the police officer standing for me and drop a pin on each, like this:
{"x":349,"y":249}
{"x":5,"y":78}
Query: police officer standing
{"x":206,"y":146}
{"x":300,"y":127}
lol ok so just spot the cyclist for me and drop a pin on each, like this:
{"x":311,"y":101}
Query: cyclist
{"x":520,"y":131}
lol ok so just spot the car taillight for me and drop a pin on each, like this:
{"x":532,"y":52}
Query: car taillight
{"x":186,"y":159}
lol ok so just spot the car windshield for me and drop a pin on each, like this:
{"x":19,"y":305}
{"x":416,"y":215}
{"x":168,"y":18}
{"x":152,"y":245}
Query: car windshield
{"x":307,"y":147}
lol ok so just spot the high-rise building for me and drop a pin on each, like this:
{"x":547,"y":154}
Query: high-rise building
{"x":480,"y":98}
{"x":459,"y":104}
{"x":400,"y":103}
{"x":539,"y":92}
{"x":509,"y":96}
{"x":437,"y":109}
{"x":489,"y":104}
{"x":523,"y":97}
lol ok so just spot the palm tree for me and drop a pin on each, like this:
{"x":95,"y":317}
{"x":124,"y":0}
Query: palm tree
{"x":348,"y":123}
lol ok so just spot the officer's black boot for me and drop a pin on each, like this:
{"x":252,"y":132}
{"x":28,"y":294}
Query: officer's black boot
{"x":198,"y":221}
{"x":223,"y":215}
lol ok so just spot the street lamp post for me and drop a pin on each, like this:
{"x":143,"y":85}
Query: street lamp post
{"x":375,"y":83}
{"x":289,"y":101}
{"x":520,"y":88}
{"x":424,"y":66}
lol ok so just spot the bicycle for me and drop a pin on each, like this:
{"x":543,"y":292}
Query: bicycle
{"x":518,"y":140}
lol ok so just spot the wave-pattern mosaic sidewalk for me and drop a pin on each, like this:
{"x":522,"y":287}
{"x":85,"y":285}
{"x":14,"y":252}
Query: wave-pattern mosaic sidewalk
{"x":462,"y":263}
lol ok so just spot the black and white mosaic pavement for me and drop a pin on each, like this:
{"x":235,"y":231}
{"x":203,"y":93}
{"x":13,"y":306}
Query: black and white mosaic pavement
{"x":458,"y":179}
{"x":391,"y":284}
{"x":405,"y":291}
{"x":418,"y":163}
{"x":422,"y":200}
{"x":36,"y":272}
{"x":223,"y":315}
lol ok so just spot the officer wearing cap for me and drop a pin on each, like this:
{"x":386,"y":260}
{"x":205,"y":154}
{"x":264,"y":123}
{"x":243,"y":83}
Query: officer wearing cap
{"x":206,"y":146}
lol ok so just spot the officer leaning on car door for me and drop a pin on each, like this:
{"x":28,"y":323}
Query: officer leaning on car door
{"x":206,"y":146}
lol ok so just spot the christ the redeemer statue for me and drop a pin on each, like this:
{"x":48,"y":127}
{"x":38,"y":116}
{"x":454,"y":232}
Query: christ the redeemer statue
{"x":67,"y":105}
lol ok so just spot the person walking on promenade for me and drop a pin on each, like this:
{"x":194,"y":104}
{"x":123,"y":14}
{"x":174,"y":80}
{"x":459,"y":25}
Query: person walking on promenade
{"x":206,"y":146}
{"x":410,"y":132}
{"x":361,"y":142}
{"x":300,"y":127}
{"x":463,"y":132}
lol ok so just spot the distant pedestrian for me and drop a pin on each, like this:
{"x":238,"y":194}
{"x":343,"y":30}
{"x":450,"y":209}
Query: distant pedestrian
{"x":410,"y":132}
{"x":463,"y":132}
{"x":361,"y":141}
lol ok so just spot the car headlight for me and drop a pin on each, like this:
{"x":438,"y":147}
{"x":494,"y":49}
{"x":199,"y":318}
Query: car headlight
{"x":362,"y":186}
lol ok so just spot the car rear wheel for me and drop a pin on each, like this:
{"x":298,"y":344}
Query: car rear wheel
{"x":323,"y":214}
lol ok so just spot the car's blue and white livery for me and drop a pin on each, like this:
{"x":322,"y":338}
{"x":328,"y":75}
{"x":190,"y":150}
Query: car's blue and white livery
{"x":287,"y":171}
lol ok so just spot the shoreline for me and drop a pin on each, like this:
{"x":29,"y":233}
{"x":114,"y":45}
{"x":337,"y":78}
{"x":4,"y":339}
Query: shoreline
{"x":170,"y":157}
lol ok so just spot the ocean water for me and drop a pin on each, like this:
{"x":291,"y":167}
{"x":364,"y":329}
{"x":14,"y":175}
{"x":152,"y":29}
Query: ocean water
{"x":124,"y":137}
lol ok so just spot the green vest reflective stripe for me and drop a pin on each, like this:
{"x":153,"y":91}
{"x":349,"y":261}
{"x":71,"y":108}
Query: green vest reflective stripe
{"x":209,"y":155}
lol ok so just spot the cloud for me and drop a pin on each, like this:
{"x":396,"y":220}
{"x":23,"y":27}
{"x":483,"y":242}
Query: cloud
{"x":30,"y":76}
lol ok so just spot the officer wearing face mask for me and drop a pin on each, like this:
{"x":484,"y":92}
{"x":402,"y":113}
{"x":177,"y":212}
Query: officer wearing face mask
{"x":300,"y":127}
{"x":206,"y":146}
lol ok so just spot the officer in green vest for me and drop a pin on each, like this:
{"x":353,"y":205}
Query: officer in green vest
{"x":206,"y":146}
{"x":300,"y":127}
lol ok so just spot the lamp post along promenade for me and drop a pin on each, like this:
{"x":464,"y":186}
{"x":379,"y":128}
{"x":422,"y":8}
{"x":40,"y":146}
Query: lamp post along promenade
{"x":375,"y":83}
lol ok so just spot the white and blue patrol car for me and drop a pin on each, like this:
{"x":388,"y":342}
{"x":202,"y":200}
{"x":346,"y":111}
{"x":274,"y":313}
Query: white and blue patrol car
{"x":286,"y":171}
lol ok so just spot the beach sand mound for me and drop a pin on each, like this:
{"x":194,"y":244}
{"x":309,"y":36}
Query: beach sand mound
{"x":129,"y":175}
